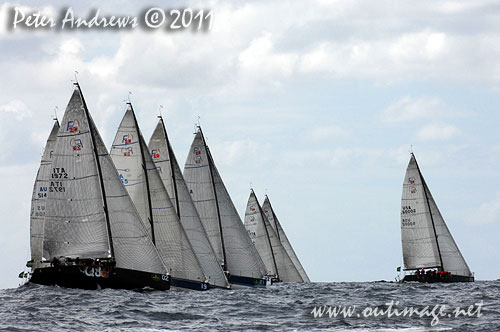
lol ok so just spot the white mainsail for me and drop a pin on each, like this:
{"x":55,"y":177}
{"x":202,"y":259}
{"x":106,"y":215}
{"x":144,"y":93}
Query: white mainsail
{"x":88,"y":211}
{"x":173,"y":180}
{"x":38,"y":200}
{"x":274,"y":256}
{"x":224,"y":228}
{"x":145,"y":187}
{"x":426,"y":240}
{"x":273,"y":220}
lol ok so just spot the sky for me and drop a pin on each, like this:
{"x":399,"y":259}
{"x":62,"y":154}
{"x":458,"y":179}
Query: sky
{"x":316,"y":103}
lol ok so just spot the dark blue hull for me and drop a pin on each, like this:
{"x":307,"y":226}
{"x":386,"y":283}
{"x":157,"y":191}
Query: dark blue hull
{"x":73,"y":277}
{"x":427,"y":279}
{"x":189,"y":284}
{"x":247,"y":281}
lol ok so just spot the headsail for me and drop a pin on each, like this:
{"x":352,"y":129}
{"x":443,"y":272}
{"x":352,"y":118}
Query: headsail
{"x":140,"y":176}
{"x":89,"y":213}
{"x":426,"y":239}
{"x":38,"y":200}
{"x":273,"y":220}
{"x":226,"y":232}
{"x":173,"y":180}
{"x":275,"y":258}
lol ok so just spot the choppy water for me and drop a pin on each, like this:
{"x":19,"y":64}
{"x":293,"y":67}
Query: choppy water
{"x":281,"y":307}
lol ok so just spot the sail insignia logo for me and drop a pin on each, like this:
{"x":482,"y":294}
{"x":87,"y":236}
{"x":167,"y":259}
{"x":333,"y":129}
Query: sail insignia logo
{"x":124,"y":180}
{"x":252,"y":219}
{"x":72,"y":126}
{"x":413,"y":190}
{"x":127,"y":152}
{"x":155,"y":154}
{"x":411,"y":180}
{"x":127,"y":138}
{"x":76,"y":144}
{"x":197,"y":154}
{"x":252,"y":208}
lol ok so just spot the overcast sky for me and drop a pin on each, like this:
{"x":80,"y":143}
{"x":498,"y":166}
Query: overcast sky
{"x":317,"y":102}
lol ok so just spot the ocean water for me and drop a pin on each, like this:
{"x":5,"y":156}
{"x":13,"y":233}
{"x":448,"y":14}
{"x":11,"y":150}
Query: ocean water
{"x":280,"y":307}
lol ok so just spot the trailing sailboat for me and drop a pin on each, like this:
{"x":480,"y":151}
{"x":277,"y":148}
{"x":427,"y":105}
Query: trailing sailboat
{"x":278,"y":264}
{"x":232,"y":245}
{"x":171,"y":175}
{"x":429,"y":250}
{"x":145,"y":187}
{"x":93,"y":236}
{"x":276,"y":225}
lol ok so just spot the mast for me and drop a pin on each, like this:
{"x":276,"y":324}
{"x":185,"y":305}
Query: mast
{"x":209,"y":159}
{"x":99,"y":171}
{"x":430,"y":212}
{"x":171,"y":162}
{"x":267,"y":234}
{"x":150,"y":208}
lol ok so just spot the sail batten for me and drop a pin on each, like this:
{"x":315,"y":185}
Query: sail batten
{"x":426,"y":240}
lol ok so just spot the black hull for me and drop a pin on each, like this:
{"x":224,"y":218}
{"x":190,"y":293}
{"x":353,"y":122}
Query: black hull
{"x":247,"y":281}
{"x":451,"y":278}
{"x":73,"y":277}
{"x":189,"y":284}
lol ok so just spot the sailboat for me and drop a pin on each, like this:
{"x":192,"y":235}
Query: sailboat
{"x":234,"y":249}
{"x":140,"y":177}
{"x":171,"y":175}
{"x":429,"y":250}
{"x":279,"y":266}
{"x":276,"y":225}
{"x":93,"y":236}
{"x":39,"y":198}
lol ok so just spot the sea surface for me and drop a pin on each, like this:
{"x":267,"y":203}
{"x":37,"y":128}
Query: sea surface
{"x":280,"y":307}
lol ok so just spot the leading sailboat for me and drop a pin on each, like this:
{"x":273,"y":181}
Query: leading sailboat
{"x":429,"y":250}
{"x":232,"y":245}
{"x":92,"y":235}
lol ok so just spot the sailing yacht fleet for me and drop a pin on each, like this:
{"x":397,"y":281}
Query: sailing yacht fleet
{"x":130,"y":218}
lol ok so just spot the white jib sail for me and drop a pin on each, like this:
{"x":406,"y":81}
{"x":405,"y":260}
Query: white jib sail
{"x":38,"y":200}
